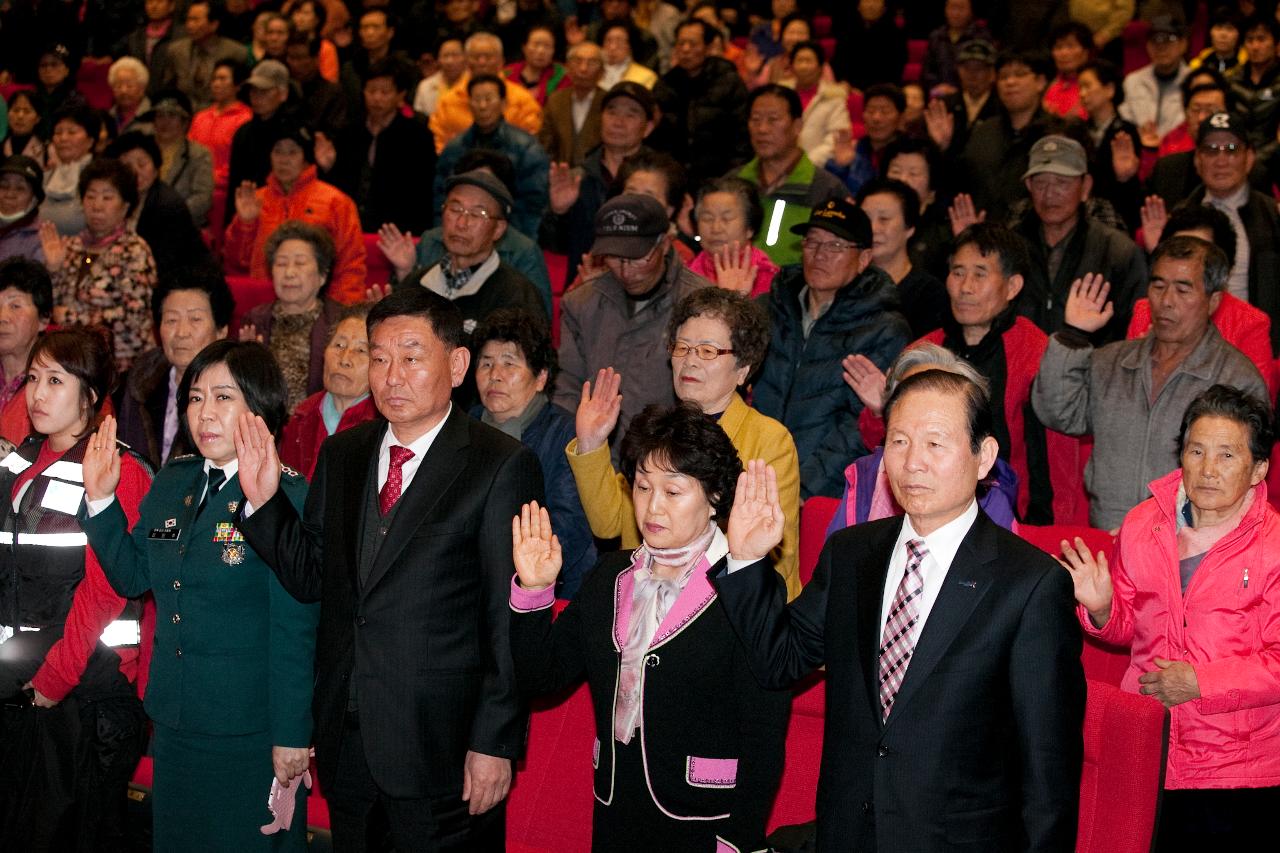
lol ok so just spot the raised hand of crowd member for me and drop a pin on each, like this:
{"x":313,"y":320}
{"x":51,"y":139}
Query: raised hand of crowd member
{"x":962,"y":213}
{"x":1124,"y":157}
{"x":259,"y":464}
{"x":940,"y":123}
{"x":326,"y":154}
{"x":100,"y":467}
{"x":1087,"y":307}
{"x":589,"y":269}
{"x":1149,"y":134}
{"x":755,"y":522}
{"x":249,"y":332}
{"x":1154,"y":217}
{"x":564,"y":187}
{"x":290,"y":762}
{"x":535,"y":549}
{"x":398,"y":248}
{"x":843,"y":150}
{"x":735,"y":268}
{"x":53,"y":245}
{"x":377,"y":292}
{"x":248,"y":205}
{"x":866,"y":380}
{"x":1091,"y":578}
{"x":598,"y":410}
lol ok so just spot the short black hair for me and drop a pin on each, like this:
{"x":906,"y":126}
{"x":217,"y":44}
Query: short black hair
{"x":992,"y":239}
{"x":442,"y":315}
{"x":906,"y":196}
{"x":1256,"y":20}
{"x":1213,"y":261}
{"x":239,"y":73}
{"x":885,"y":90}
{"x":1225,"y":15}
{"x":1224,"y":401}
{"x":743,"y":190}
{"x":747,"y":319}
{"x":1188,"y":216}
{"x":86,"y":353}
{"x":255,"y":372}
{"x":135,"y":140}
{"x":1227,"y":97}
{"x":809,"y":44}
{"x":1108,"y":75}
{"x":391,"y":67}
{"x":528,"y":331}
{"x":707,"y":35}
{"x":493,"y":79}
{"x":214,"y":7}
{"x":976,"y":400}
{"x":120,"y":176}
{"x":1079,"y":31}
{"x":925,"y":148}
{"x":683,"y":440}
{"x":26,"y":94}
{"x":317,"y":8}
{"x":648,"y":160}
{"x":80,"y":113}
{"x":1035,"y":60}
{"x":619,"y":24}
{"x":388,"y":17}
{"x":207,"y":278}
{"x":788,"y":95}
{"x":308,"y":40}
{"x":319,"y":239}
{"x":486,"y":158}
{"x":22,"y":273}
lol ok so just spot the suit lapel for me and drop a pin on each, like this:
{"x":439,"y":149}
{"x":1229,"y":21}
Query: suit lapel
{"x":967,"y":583}
{"x":870,"y":584}
{"x":444,"y":462}
{"x":359,"y":475}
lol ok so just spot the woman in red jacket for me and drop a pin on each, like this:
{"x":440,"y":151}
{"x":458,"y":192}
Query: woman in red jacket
{"x":73,"y":728}
{"x":1194,"y":592}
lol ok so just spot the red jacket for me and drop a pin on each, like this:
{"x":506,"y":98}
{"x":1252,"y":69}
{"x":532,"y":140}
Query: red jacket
{"x":310,"y":200}
{"x":304,"y":433}
{"x":1227,"y":626}
{"x":1245,"y":327}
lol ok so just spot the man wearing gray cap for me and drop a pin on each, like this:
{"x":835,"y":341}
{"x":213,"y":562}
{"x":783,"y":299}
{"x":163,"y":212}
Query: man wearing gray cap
{"x":187,"y":63}
{"x":471,"y":275}
{"x":1066,"y":244}
{"x":619,"y":319}
{"x":266,"y":92}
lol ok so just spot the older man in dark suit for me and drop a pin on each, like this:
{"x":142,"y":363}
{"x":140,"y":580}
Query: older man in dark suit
{"x":955,"y":694}
{"x":406,"y":542}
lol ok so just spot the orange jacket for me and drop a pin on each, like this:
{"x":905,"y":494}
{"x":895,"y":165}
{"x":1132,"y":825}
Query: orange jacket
{"x":453,"y":111}
{"x":310,"y":200}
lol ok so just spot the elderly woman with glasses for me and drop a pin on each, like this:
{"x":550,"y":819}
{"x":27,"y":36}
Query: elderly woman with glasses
{"x":717,"y":339}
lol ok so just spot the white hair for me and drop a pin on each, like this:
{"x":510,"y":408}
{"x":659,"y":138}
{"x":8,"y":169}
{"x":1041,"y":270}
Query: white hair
{"x":476,"y":38}
{"x":128,"y":63}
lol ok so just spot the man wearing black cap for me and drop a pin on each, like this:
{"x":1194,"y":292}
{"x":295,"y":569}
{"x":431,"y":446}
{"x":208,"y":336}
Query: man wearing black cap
{"x":1223,"y":159}
{"x":628,"y":113}
{"x":21,"y":191}
{"x":974,"y":101}
{"x":471,"y":274}
{"x":1153,"y":93}
{"x":833,"y":305}
{"x":619,"y":319}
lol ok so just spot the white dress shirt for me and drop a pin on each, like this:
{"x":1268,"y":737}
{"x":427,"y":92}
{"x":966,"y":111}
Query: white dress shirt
{"x":419,"y":448}
{"x":941,"y":545}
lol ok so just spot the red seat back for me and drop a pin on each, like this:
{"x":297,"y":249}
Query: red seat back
{"x":248,"y":292}
{"x":1126,"y":737}
{"x":377,"y":268}
{"x":815,"y":516}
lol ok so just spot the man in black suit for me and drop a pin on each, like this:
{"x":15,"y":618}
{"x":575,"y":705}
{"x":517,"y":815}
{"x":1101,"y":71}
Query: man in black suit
{"x":417,"y":720}
{"x":955,"y":695}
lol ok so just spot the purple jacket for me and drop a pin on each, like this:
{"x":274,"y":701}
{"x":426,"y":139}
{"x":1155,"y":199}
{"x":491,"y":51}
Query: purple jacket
{"x":22,"y":239}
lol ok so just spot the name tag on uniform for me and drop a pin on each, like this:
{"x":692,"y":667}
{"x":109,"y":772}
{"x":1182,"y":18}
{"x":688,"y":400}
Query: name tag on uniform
{"x":169,"y":534}
{"x":62,"y":497}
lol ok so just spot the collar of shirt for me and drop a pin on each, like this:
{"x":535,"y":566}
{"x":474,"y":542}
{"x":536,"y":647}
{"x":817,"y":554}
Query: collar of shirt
{"x":230,"y":469}
{"x":1232,"y":203}
{"x":942,"y":545}
{"x":419,"y":448}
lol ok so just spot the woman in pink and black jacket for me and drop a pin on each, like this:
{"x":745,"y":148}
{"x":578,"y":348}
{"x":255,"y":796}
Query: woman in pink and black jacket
{"x":689,"y":747}
{"x":1194,"y":591}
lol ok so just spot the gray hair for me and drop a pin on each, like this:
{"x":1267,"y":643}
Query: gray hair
{"x":476,"y":38}
{"x":128,"y":63}
{"x":1184,"y":247}
{"x":932,"y":357}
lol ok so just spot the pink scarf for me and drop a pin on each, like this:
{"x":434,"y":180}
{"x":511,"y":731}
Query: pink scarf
{"x":1193,"y":541}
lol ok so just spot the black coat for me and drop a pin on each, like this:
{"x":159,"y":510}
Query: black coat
{"x":704,"y":118}
{"x":426,"y":637}
{"x":398,"y":186}
{"x":983,"y":749}
{"x":165,"y":223}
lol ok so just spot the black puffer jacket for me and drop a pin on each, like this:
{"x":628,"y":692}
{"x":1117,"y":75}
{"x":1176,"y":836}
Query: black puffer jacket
{"x":704,"y":119}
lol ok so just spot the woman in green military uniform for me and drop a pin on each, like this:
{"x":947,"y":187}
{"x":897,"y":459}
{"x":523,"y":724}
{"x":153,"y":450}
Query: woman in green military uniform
{"x":232,"y":669}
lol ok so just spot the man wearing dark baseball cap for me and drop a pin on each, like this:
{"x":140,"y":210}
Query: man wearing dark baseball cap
{"x":1153,"y":93}
{"x":619,"y":318}
{"x":266,"y":92}
{"x":834,"y":304}
{"x":1223,"y":159}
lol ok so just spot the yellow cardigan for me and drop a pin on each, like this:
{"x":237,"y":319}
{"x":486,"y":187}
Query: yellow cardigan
{"x":606,"y":495}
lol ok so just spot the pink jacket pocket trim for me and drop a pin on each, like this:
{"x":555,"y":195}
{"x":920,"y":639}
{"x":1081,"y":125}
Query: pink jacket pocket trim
{"x":711,"y":772}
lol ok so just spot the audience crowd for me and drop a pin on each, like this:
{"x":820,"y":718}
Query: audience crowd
{"x":666,"y":244}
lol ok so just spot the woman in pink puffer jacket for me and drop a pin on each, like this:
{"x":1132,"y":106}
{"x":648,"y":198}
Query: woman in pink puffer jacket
{"x":1194,"y":591}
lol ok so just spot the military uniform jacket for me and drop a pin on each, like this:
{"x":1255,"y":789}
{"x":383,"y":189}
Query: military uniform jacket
{"x":234,"y":653}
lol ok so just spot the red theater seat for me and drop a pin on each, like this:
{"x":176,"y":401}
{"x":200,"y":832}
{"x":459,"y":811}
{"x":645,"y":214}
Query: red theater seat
{"x":377,"y":268}
{"x":1125,"y":740}
{"x":249,"y":293}
{"x":815,"y":516}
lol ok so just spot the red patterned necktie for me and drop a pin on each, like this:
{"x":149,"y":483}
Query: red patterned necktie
{"x":395,"y":478}
{"x":896,"y":644}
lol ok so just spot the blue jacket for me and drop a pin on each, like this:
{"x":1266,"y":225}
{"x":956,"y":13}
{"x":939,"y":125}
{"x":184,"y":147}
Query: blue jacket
{"x":801,"y":382}
{"x":547,"y":436}
{"x":528,"y":158}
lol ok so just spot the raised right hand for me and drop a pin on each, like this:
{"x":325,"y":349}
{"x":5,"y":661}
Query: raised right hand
{"x":843,"y":148}
{"x":1154,"y":218}
{"x":598,"y":412}
{"x":398,"y":248}
{"x":1087,"y":307}
{"x":565,"y":186}
{"x":100,"y":466}
{"x":866,"y":380}
{"x":1091,"y":579}
{"x":535,"y":549}
{"x":756,"y":521}
{"x":963,"y":214}
{"x":52,"y":245}
{"x":248,"y":205}
{"x":940,"y":123}
{"x":259,"y":465}
{"x":326,"y":154}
